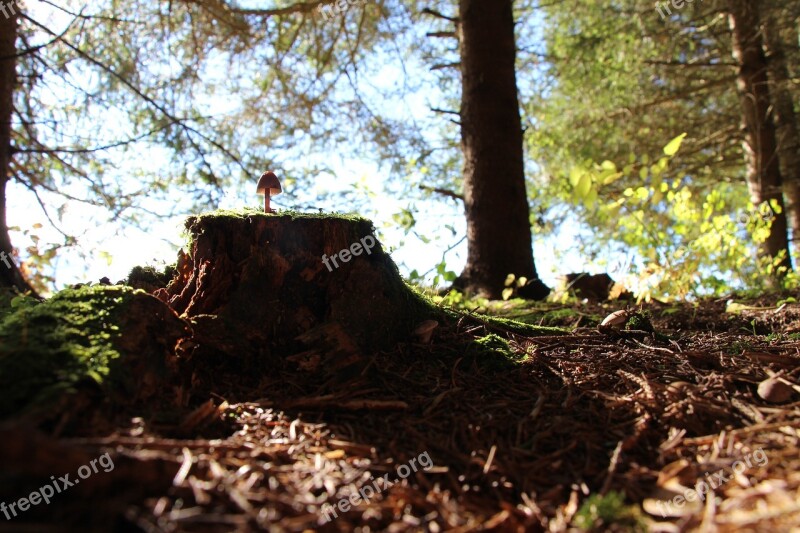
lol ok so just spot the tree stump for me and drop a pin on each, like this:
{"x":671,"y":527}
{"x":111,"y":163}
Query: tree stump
{"x":263,"y":285}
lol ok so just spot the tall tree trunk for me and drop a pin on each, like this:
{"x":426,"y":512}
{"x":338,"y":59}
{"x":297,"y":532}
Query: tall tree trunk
{"x":10,"y":275}
{"x":760,"y":141}
{"x":785,"y":119}
{"x":496,"y":205}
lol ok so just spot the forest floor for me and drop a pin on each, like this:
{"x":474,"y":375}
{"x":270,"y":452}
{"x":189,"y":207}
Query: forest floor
{"x":583,"y":431}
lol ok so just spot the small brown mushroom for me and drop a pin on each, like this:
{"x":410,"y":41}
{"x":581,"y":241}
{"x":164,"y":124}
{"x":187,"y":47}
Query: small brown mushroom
{"x":424,"y":331}
{"x":268,"y":185}
{"x":774,"y":390}
{"x":614,"y":322}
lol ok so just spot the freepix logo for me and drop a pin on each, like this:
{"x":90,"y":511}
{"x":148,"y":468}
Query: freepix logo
{"x":347,"y":254}
{"x":677,"y":4}
{"x":367,"y":492}
{"x":10,"y":8}
{"x":45,"y":492}
{"x":712,"y":481}
{"x":338,"y":7}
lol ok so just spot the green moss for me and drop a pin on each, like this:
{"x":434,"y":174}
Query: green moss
{"x":600,"y":513}
{"x":493,"y":352}
{"x":559,"y":316}
{"x":520,"y":328}
{"x":248,"y":212}
{"x":150,"y":275}
{"x":46,"y":348}
{"x":639,"y":322}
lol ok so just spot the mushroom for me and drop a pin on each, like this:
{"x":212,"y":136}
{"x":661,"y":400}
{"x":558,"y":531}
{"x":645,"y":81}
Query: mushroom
{"x":775,"y":390}
{"x":268,"y":185}
{"x":614,"y":322}
{"x":424,"y":331}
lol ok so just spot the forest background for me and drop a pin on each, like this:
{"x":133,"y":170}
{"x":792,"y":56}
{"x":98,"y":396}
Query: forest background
{"x":638,"y":129}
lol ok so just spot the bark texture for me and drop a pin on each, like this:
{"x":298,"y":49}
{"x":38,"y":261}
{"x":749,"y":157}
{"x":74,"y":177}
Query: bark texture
{"x":10,"y":276}
{"x":760,"y":141}
{"x":785,"y":118}
{"x":495,"y":201}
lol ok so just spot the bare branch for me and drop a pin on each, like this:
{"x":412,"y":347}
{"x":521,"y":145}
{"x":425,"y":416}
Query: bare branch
{"x":442,"y":34}
{"x":442,"y":66}
{"x":443,"y":192}
{"x":437,"y":14}
{"x":446,"y":111}
{"x":159,"y":107}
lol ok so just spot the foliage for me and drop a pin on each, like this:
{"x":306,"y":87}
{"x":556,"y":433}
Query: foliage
{"x":690,"y":243}
{"x":618,"y":81}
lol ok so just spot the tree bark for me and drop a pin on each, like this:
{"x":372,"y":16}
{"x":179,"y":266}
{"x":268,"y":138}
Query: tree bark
{"x":495,"y":201}
{"x":760,"y":141}
{"x":10,"y":276}
{"x":788,"y":137}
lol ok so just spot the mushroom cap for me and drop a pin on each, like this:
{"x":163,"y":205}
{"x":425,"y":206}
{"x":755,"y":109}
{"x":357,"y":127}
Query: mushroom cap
{"x":268,"y":180}
{"x":774,"y":390}
{"x":617,"y":319}
{"x":425,"y":327}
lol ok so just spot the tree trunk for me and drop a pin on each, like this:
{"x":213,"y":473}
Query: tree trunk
{"x":785,"y":119}
{"x":496,"y":204}
{"x":10,"y":275}
{"x":760,"y":141}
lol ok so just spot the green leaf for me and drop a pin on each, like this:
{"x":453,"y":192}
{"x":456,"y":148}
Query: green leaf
{"x":674,"y":145}
{"x":584,"y":186}
{"x":611,"y":178}
{"x":575,"y":175}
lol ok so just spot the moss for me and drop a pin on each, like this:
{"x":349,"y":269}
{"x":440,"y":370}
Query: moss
{"x":521,"y":328}
{"x":609,"y":512}
{"x":248,"y":212}
{"x":150,"y":275}
{"x":639,"y":322}
{"x":556,"y":317}
{"x":46,"y":348}
{"x":493,"y":352}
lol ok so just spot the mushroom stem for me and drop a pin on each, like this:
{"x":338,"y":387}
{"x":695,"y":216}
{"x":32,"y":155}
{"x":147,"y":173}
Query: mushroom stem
{"x":266,"y":202}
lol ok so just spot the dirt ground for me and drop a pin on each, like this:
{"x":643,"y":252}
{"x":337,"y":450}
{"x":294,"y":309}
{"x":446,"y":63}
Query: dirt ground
{"x":480,"y":429}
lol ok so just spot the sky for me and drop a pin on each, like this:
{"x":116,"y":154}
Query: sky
{"x":111,"y":250}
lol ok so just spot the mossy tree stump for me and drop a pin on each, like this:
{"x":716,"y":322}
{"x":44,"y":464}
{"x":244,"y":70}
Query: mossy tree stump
{"x":259,"y":283}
